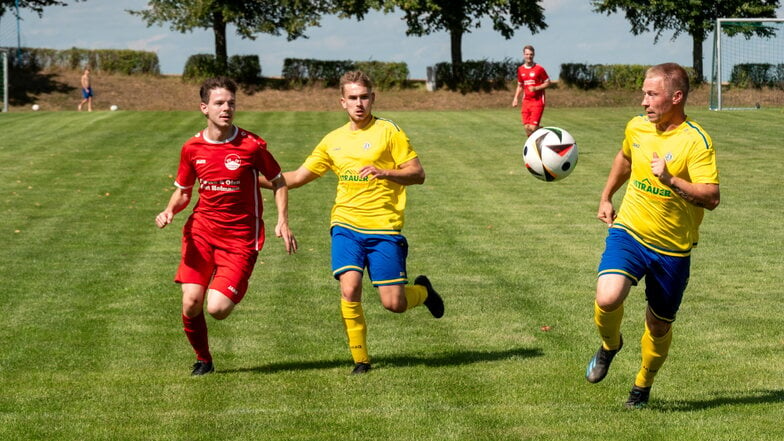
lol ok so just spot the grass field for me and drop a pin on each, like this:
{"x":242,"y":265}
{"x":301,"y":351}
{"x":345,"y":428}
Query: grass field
{"x":92,"y":345}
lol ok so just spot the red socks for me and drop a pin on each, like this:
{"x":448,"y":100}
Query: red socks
{"x":196,"y":330}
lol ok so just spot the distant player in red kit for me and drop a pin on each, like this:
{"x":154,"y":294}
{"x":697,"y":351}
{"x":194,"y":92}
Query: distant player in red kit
{"x":223,"y":237}
{"x":532,"y":80}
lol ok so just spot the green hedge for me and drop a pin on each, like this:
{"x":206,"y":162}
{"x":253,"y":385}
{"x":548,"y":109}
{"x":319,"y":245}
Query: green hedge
{"x":99,"y":60}
{"x":757,"y":75}
{"x":478,"y":75}
{"x":608,"y":76}
{"x":244,"y":69}
{"x":385,"y":75}
{"x":298,"y":72}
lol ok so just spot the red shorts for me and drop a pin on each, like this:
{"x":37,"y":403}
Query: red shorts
{"x":531,"y":113}
{"x":215,"y":264}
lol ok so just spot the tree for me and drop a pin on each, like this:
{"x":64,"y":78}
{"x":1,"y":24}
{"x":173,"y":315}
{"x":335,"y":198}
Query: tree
{"x":459,"y":16}
{"x":250,"y":17}
{"x":696,"y":18}
{"x":36,"y":6}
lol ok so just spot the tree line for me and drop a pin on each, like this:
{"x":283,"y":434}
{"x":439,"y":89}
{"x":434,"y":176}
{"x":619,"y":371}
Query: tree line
{"x":423,"y":17}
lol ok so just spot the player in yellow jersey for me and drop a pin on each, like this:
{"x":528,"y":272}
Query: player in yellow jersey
{"x":670,"y":165}
{"x":374,"y":163}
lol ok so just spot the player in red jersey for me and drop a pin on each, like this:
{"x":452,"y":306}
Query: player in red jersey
{"x":532,"y":80}
{"x":223,"y":237}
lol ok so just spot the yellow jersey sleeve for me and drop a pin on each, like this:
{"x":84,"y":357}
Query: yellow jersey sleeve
{"x":371,"y":206}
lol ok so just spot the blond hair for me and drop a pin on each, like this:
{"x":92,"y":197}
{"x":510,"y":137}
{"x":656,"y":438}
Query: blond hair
{"x":356,"y":76}
{"x":674,"y":76}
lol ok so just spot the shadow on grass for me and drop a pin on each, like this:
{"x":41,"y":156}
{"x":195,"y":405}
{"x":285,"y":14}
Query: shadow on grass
{"x":432,"y":360}
{"x":729,"y":399}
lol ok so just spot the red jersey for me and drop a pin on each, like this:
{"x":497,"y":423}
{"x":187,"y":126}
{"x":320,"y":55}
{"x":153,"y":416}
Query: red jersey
{"x":229,"y":207}
{"x":532,"y":76}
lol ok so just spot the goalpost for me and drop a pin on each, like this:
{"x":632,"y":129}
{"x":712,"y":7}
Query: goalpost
{"x":748,"y":62}
{"x":4,"y":73}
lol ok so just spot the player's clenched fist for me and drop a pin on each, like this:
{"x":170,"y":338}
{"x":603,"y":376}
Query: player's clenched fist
{"x":163,"y":219}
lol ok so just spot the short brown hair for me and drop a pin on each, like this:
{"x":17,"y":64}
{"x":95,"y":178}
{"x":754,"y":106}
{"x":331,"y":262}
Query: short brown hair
{"x":528,"y":46}
{"x":675,"y":77}
{"x":356,"y":76}
{"x":216,"y":83}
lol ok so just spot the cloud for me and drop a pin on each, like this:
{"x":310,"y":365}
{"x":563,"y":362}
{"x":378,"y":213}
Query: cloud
{"x":149,"y":43}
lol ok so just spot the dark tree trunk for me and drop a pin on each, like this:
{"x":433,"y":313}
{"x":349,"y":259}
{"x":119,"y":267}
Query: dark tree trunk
{"x":456,"y":40}
{"x":697,"y":56}
{"x":219,"y":28}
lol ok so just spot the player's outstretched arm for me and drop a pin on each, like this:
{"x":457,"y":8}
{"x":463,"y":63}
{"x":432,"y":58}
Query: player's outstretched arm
{"x":282,"y":230}
{"x":408,"y":173}
{"x":295,"y":178}
{"x":178,"y":201}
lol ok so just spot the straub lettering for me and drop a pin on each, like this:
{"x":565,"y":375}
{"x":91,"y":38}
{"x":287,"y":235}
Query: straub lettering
{"x":646,"y":186}
{"x":353,"y":178}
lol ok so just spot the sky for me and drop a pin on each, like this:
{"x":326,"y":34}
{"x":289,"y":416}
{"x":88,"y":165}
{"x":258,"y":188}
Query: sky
{"x":575,"y":34}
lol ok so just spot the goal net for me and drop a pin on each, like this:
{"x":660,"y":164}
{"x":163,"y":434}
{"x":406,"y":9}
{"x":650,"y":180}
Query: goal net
{"x":748,"y":64}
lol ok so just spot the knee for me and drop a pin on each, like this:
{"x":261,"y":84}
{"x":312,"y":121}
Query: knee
{"x":219,"y":310}
{"x":351,"y":293}
{"x":218,"y":313}
{"x":611,"y":291}
{"x":395,"y":306}
{"x":192,"y":306}
{"x":219,"y":306}
{"x":608,"y":304}
{"x":658,"y":328}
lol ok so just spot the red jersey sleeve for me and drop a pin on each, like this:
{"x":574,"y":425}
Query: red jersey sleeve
{"x":265,"y":163}
{"x":186,"y":174}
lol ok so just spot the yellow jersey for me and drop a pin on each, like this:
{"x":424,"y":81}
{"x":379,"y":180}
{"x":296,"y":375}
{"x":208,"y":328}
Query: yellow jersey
{"x":370,"y":206}
{"x":651,"y":212}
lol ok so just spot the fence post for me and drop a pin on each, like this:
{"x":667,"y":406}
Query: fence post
{"x":430,"y":82}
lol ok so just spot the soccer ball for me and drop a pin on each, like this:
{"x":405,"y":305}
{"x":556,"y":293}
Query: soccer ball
{"x":36,"y":107}
{"x":113,"y":107}
{"x":550,"y":154}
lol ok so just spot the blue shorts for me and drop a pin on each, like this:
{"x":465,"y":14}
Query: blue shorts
{"x":384,"y":255}
{"x":666,"y":277}
{"x":87,"y":93}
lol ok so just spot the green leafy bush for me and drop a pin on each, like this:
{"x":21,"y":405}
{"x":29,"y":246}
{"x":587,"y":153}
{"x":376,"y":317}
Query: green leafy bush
{"x":100,"y":60}
{"x":298,"y":72}
{"x":199,"y":67}
{"x":477,"y":75}
{"x":609,"y":76}
{"x":245,"y":69}
{"x":580,"y":76}
{"x":757,"y":75}
{"x":385,"y":75}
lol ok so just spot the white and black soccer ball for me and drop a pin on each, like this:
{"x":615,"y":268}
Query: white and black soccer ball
{"x":550,"y":153}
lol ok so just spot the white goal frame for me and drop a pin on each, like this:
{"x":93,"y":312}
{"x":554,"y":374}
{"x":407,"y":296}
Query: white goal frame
{"x":4,"y":62}
{"x":716,"y":75}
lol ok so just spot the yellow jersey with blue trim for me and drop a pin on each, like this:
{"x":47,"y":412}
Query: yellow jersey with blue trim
{"x":363,"y":204}
{"x":652,"y":212}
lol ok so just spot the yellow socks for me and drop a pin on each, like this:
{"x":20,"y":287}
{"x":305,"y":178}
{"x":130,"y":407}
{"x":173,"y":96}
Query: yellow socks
{"x":415,"y":295}
{"x":609,"y":325}
{"x":356,"y":330}
{"x":654,"y":353}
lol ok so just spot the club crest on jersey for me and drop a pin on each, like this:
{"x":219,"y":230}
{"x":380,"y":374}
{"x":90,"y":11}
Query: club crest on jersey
{"x":668,"y":157}
{"x":232,"y":161}
{"x":366,"y":146}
